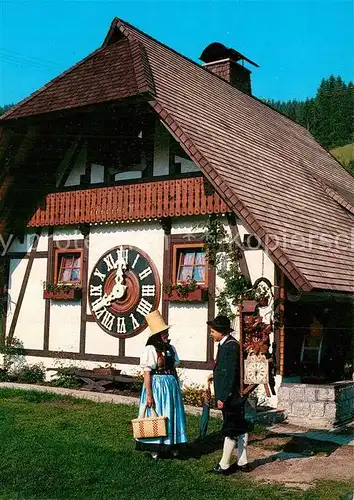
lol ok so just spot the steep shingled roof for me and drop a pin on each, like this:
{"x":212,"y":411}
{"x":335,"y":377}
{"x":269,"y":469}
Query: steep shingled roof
{"x":283,"y":185}
{"x":108,"y":74}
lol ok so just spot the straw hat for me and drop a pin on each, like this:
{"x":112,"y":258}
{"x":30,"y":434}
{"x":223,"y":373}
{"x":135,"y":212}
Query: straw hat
{"x":156,"y":323}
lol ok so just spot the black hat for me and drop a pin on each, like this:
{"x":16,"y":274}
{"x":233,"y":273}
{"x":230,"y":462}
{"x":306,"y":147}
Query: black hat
{"x":221,"y":324}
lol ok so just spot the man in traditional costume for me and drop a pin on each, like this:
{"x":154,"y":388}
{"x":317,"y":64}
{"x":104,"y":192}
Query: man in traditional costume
{"x":226,"y":377}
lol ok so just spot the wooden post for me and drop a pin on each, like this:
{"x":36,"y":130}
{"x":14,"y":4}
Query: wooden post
{"x":241,"y":348}
{"x":281,"y":327}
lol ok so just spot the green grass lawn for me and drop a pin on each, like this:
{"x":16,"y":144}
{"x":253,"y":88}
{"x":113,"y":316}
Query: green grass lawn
{"x":54,"y":447}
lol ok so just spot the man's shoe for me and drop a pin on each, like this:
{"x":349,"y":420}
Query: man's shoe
{"x":244,"y":468}
{"x":218,"y":470}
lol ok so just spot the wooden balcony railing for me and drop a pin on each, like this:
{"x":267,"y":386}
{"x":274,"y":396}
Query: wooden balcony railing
{"x":151,"y":200}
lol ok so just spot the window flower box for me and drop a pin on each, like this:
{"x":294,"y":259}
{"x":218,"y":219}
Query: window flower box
{"x":63,"y":294}
{"x":197,"y":295}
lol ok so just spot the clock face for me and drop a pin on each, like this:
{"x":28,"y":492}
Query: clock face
{"x":256,"y":372}
{"x":124,"y":287}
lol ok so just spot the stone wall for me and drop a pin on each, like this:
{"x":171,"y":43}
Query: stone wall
{"x":317,"y":406}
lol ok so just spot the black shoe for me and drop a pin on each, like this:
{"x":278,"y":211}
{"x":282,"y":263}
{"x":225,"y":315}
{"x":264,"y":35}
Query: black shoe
{"x":220,"y":471}
{"x":244,"y":468}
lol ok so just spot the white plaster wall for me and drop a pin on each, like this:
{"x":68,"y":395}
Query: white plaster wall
{"x":78,"y":169}
{"x":188,"y":225}
{"x":26,"y":246}
{"x":188,"y":330}
{"x":62,"y":233}
{"x":99,"y":342}
{"x":188,"y":321}
{"x":64,"y":163}
{"x":187,"y":166}
{"x":16,"y":275}
{"x":64,"y":329}
{"x":149,"y":237}
{"x":161,"y":150}
{"x":129,"y":175}
{"x":30,"y":323}
{"x":97,"y":173}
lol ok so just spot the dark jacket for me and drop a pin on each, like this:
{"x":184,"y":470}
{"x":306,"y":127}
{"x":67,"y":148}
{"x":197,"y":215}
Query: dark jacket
{"x":227,"y":370}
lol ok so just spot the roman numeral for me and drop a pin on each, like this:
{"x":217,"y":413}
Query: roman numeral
{"x":148,"y":290}
{"x":121,"y":328}
{"x":144,"y":307}
{"x":145,"y":273}
{"x":135,"y":323}
{"x":100,"y":313}
{"x":95,"y":291}
{"x":96,"y":303}
{"x":99,"y":275}
{"x":135,"y":261}
{"x":110,"y":262}
{"x":108,"y":320}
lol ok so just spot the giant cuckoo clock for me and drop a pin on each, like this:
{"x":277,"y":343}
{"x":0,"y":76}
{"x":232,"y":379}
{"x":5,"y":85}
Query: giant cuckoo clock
{"x":124,"y":287}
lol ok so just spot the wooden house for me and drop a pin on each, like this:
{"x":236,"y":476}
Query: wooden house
{"x":109,"y":173}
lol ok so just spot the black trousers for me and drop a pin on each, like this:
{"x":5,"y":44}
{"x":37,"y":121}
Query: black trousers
{"x":234,"y":421}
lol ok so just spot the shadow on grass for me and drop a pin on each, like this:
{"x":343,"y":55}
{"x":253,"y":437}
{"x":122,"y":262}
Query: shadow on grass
{"x":199,"y":447}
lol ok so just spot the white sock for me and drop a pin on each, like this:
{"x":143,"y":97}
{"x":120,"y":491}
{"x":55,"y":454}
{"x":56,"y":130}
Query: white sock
{"x":229,"y":446}
{"x":242,"y":441}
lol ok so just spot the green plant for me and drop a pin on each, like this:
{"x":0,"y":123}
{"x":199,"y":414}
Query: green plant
{"x":4,"y":375}
{"x":29,"y":373}
{"x":215,"y":238}
{"x":65,"y":377}
{"x":58,"y":287}
{"x":183,"y":288}
{"x":13,"y":352}
{"x":193,"y":395}
{"x":236,"y":289}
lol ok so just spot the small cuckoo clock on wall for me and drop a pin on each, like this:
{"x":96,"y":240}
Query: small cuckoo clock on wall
{"x":256,"y":369}
{"x":124,"y":287}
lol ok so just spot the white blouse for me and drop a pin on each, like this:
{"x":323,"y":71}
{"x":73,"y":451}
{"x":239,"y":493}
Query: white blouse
{"x":148,"y":359}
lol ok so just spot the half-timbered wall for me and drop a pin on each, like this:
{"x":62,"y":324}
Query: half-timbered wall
{"x":66,"y":330}
{"x":74,"y":165}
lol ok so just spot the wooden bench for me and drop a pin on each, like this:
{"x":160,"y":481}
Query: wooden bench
{"x":97,"y":382}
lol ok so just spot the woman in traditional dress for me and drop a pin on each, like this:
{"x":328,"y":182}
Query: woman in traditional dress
{"x":161,"y":388}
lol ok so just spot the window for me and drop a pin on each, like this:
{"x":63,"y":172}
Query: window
{"x":189,"y":262}
{"x":68,"y":265}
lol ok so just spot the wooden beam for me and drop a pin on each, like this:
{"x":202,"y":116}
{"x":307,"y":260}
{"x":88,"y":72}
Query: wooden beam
{"x":127,"y":360}
{"x":236,"y":240}
{"x":211,"y":311}
{"x":71,"y":163}
{"x":281,"y":327}
{"x":166,"y":273}
{"x":49,"y":279}
{"x":84,"y":278}
{"x":6,"y":267}
{"x":24,"y":285}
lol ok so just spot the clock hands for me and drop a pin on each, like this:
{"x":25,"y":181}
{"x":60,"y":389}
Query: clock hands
{"x":119,"y":287}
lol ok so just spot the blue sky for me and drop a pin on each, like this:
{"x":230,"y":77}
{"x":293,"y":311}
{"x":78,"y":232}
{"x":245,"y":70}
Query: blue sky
{"x":296,"y":43}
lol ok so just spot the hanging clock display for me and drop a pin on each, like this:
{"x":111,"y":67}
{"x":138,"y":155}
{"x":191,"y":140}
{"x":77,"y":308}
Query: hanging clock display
{"x":256,"y":369}
{"x":124,"y":287}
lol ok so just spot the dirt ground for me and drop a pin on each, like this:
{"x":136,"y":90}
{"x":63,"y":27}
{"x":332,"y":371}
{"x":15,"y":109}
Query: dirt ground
{"x":299,"y":462}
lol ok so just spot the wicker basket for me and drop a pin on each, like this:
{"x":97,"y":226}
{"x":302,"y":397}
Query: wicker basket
{"x":149,"y":427}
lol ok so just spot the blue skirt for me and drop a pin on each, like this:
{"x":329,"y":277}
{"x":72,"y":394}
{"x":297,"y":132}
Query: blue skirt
{"x":168,"y":403}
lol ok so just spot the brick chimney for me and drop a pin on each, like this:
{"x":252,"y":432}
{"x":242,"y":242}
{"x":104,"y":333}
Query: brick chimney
{"x":223,"y":62}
